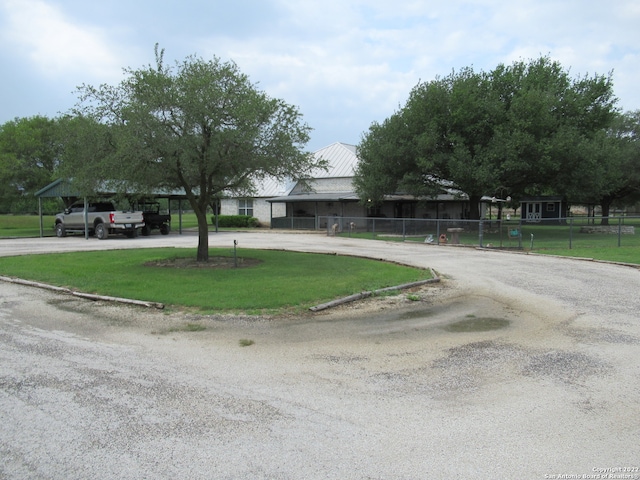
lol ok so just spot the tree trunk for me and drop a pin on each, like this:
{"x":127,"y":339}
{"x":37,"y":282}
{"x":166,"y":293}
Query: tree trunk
{"x":203,"y":235}
{"x":605,"y":204}
{"x":474,"y":207}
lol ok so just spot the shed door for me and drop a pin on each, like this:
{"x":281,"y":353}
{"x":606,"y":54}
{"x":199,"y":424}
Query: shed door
{"x":534,"y":212}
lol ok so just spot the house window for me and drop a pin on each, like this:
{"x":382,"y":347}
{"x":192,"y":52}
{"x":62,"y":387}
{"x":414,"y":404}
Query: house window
{"x":551,"y":207}
{"x":245,"y":207}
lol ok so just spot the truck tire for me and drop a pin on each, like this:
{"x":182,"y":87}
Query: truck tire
{"x":60,"y":230}
{"x":102,"y":232}
{"x":146,"y":231}
{"x":165,"y":228}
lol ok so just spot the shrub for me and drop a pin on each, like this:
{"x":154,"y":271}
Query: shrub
{"x":235,"y":221}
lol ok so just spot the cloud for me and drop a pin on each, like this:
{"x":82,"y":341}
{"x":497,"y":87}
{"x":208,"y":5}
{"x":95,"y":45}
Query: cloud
{"x":345,"y":63}
{"x":55,"y":46}
{"x":349,"y":63}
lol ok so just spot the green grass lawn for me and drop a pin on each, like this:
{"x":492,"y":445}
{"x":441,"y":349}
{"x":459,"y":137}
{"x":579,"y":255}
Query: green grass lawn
{"x":25,"y":225}
{"x":12,"y":226}
{"x":622,"y":254}
{"x":281,"y":280}
{"x":564,"y":240}
{"x":567,"y":240}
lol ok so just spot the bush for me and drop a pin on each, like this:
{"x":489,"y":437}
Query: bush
{"x":235,"y":221}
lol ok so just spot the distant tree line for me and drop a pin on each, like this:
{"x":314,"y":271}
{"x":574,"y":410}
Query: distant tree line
{"x":30,"y":156}
{"x":524,"y":129}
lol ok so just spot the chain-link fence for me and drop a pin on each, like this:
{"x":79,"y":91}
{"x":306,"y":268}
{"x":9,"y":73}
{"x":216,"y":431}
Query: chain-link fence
{"x":570,"y":232}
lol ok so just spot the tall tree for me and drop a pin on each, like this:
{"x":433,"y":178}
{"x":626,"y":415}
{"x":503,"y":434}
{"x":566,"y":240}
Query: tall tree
{"x":201,"y":126}
{"x":29,"y":158}
{"x":442,"y":137}
{"x":617,"y":153}
{"x":389,"y":165}
{"x":515,"y":130}
{"x":550,"y":119}
{"x":455,"y":124}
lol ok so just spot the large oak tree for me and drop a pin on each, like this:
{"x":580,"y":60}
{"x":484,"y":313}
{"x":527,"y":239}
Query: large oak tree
{"x":200,"y":126}
{"x":516,"y":130}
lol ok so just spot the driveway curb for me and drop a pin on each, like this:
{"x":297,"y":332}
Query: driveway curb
{"x":88,"y":296}
{"x":361,"y":295}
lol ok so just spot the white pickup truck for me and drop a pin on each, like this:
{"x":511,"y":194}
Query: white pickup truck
{"x":102,"y":219}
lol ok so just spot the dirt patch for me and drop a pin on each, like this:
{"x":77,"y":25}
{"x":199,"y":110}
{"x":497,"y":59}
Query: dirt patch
{"x":216,"y":262}
{"x":483,"y":324}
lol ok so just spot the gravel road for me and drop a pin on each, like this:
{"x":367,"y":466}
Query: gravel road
{"x":514,"y":366}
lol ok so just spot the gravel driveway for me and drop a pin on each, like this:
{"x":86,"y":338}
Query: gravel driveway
{"x":515,"y":366}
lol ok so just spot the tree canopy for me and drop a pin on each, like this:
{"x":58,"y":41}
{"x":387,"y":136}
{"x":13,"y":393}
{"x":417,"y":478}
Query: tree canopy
{"x":616,"y":156}
{"x":521,"y":129}
{"x":200,"y":126}
{"x":29,"y":159}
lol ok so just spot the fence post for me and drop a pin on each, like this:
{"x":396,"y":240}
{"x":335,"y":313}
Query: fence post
{"x":570,"y":233}
{"x":404,"y":230}
{"x":480,"y":233}
{"x":619,"y":229}
{"x":520,"y":234}
{"x":438,"y":231}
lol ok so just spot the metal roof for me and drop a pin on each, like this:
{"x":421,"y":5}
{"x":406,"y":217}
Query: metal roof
{"x":317,"y":197}
{"x":342,"y":159}
{"x":63,"y":187}
{"x":270,"y":187}
{"x":542,"y":198}
{"x":59,"y":188}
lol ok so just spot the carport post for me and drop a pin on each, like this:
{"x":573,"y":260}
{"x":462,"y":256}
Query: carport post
{"x":40,"y":216}
{"x":86,"y":219}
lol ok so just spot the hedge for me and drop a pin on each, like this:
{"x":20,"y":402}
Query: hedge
{"x":235,"y":221}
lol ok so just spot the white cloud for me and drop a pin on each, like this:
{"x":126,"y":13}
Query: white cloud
{"x":359,"y":59}
{"x":346,"y":63}
{"x":54,"y":45}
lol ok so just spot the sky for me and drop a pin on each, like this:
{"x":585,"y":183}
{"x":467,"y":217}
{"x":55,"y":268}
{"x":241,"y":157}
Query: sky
{"x":344,"y":63}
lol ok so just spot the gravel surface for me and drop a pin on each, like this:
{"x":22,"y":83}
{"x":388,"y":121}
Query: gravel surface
{"x":514,"y":366}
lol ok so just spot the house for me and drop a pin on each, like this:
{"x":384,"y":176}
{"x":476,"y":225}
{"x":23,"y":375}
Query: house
{"x":325,"y":193}
{"x":331,"y":194}
{"x":257,"y":205}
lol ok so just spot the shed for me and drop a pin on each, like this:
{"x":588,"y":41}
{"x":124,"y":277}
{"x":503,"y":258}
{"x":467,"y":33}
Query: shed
{"x":543,"y":209}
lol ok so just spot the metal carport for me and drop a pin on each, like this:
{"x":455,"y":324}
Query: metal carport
{"x":64,"y":189}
